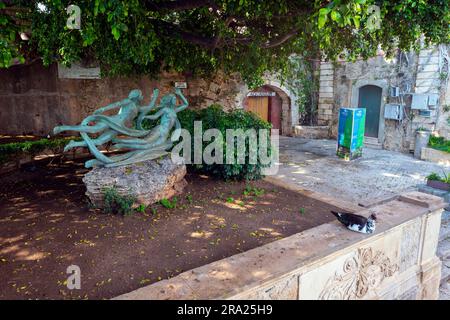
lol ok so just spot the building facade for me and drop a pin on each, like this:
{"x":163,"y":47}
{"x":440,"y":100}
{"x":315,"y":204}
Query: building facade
{"x":402,"y":94}
{"x":34,"y":99}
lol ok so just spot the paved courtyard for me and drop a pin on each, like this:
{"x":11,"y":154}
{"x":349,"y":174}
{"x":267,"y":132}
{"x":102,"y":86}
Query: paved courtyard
{"x":313,"y":165}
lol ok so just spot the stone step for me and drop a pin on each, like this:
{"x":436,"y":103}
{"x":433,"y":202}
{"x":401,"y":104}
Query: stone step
{"x":372,"y":143}
{"x":445,"y":227}
{"x":445,"y":272}
{"x":445,"y":232}
{"x":444,"y":291}
{"x":443,"y":249}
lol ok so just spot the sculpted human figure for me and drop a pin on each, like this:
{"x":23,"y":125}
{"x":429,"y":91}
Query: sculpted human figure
{"x":150,"y":144}
{"x":168,"y":110}
{"x":157,"y":141}
{"x":109,"y":126}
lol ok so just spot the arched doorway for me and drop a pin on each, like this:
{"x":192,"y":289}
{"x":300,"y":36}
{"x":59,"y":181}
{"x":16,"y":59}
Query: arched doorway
{"x":272,"y":105}
{"x":370,"y":98}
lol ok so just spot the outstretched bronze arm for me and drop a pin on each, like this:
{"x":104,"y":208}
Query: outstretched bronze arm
{"x":111,"y":106}
{"x":183,"y":99}
{"x":146,"y":109}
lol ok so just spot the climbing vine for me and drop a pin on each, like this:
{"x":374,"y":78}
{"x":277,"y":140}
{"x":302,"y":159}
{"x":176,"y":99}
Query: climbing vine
{"x":299,"y":78}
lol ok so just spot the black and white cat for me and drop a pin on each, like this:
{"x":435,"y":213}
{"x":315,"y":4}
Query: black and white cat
{"x":357,"y":223}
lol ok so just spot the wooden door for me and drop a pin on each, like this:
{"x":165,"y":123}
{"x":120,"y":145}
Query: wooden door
{"x":260,"y":106}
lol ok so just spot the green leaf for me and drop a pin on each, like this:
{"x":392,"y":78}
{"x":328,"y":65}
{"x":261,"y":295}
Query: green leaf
{"x":336,"y":16}
{"x":322,"y":20}
{"x":356,"y":20}
{"x":116,"y":33}
{"x":324,"y":11}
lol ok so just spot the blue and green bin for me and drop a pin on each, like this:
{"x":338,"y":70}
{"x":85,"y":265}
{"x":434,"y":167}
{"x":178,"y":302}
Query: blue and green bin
{"x":351,"y":133}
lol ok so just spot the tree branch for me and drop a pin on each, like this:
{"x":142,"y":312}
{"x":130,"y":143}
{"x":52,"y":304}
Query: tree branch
{"x":215,"y":42}
{"x":281,"y":39}
{"x":179,"y":5}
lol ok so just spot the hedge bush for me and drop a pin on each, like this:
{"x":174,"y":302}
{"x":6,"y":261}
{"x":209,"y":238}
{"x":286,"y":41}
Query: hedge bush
{"x":215,"y":117}
{"x":16,"y":149}
{"x":439,"y":143}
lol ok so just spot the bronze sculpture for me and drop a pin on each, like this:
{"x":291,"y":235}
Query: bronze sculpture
{"x":140,"y":144}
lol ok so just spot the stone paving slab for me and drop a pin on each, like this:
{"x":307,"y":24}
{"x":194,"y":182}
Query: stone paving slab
{"x":313,"y":165}
{"x":379,"y":174}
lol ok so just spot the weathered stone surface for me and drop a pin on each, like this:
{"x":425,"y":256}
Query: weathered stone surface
{"x":325,"y":262}
{"x":311,"y":132}
{"x":419,"y":71}
{"x":433,"y":155}
{"x":148,"y":181}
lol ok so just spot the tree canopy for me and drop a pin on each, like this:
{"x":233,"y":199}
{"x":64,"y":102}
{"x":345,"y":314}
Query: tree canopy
{"x":202,"y":36}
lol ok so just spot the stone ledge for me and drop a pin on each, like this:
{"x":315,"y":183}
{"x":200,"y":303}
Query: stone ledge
{"x":311,"y":132}
{"x":315,"y":263}
{"x":433,"y":155}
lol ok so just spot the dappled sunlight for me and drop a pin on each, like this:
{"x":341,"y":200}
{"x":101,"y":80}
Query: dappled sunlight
{"x":390,"y":175}
{"x":11,"y":240}
{"x":270,"y":231}
{"x":216,"y":219}
{"x":222,"y":275}
{"x":80,"y":222}
{"x":260,"y":274}
{"x":417,"y":176}
{"x":61,"y":176}
{"x":299,"y":171}
{"x":201,"y":234}
{"x":235,"y":206}
{"x":212,"y":220}
{"x":10,"y":249}
{"x":26,"y":255}
{"x":46,"y":192}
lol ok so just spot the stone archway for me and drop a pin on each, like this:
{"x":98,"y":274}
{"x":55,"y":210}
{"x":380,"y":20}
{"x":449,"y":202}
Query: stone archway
{"x":281,"y":106}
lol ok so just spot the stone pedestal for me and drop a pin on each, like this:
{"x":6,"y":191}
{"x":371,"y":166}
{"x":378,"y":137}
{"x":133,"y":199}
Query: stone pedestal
{"x":148,"y":181}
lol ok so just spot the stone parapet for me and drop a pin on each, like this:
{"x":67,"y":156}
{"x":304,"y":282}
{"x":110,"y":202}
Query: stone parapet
{"x":398,"y":261}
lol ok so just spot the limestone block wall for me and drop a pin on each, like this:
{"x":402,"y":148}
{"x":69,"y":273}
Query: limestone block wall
{"x":413,"y":72}
{"x":326,"y":94}
{"x":427,"y":82}
{"x":33,"y":99}
{"x":433,"y":155}
{"x":328,"y":262}
{"x":385,"y":73}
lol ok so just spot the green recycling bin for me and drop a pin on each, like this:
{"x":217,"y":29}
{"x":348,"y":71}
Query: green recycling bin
{"x":351,"y":133}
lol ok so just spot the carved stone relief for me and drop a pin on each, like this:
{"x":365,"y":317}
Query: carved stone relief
{"x":361,"y":273}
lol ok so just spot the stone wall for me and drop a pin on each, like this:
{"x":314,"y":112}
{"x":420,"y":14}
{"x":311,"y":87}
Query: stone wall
{"x":326,"y":94}
{"x":328,"y":262}
{"x":398,"y":71}
{"x":412,"y":72}
{"x":433,"y":155}
{"x":33,"y":99}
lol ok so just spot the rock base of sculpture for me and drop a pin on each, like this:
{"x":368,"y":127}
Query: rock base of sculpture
{"x":147,"y":181}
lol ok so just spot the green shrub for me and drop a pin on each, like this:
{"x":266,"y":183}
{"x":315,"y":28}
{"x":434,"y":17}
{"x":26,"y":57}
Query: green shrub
{"x":16,"y":149}
{"x":166,"y":203}
{"x":439,"y":143}
{"x":214,"y":117}
{"x":116,"y":203}
{"x":436,"y":177}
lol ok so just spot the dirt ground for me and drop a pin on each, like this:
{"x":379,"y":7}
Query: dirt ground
{"x":47,"y":225}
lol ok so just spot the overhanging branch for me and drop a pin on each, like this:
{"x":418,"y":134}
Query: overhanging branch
{"x":179,"y":5}
{"x":217,"y":42}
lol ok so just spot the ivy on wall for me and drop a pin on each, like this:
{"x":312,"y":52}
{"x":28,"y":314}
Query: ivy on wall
{"x":299,"y":78}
